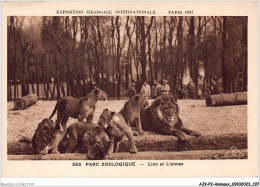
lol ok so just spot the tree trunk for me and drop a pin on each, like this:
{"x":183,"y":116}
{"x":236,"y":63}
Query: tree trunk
{"x":53,"y":91}
{"x":238,"y":98}
{"x":58,"y":78}
{"x":31,"y":81}
{"x":143,"y":47}
{"x":196,"y":65}
{"x":163,"y":48}
{"x":156,"y":51}
{"x":191,"y":48}
{"x":223,"y":55}
{"x":173,"y":67}
{"x":15,"y":55}
{"x":245,"y":77}
{"x":143,"y":36}
{"x":179,"y":55}
{"x":118,"y":57}
{"x":150,"y":56}
{"x":26,"y":101}
{"x":245,"y":59}
{"x":101,"y":59}
{"x":37,"y":78}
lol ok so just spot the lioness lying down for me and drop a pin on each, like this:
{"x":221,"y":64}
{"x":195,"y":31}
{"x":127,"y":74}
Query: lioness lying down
{"x":89,"y":135}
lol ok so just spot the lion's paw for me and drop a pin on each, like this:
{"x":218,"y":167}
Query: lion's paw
{"x":135,"y":133}
{"x":182,"y":137}
{"x":196,"y":134}
{"x":90,"y":156}
{"x":138,"y":133}
{"x":133,"y":150}
{"x":109,"y":152}
{"x":55,"y":152}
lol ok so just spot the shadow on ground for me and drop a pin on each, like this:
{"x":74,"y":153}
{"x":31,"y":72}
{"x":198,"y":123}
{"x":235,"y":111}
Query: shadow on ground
{"x":19,"y":148}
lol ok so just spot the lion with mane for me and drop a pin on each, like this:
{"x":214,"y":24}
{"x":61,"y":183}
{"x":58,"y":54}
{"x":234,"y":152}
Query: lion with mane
{"x":162,"y":117}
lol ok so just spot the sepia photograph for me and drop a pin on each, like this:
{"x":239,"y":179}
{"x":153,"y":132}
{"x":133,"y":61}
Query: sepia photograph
{"x":127,"y":87}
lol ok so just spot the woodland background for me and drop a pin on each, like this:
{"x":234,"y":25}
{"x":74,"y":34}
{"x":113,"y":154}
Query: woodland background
{"x":58,"y":56}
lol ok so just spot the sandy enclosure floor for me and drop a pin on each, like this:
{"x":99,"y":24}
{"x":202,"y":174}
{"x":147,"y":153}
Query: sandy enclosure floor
{"x":194,"y":114}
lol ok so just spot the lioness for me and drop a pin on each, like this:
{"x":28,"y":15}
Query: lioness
{"x":77,"y":108}
{"x":43,"y":138}
{"x":131,"y":112}
{"x":116,"y":128}
{"x":89,"y":135}
{"x":162,"y":117}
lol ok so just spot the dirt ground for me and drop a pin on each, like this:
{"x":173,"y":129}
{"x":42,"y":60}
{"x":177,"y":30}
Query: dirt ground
{"x":194,"y":114}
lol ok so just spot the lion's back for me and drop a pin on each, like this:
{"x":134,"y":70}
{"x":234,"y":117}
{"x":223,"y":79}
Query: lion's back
{"x":148,"y":119}
{"x":130,"y":111}
{"x":69,"y":105}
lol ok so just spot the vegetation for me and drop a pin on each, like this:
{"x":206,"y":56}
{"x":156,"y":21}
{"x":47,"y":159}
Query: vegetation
{"x":113,"y":51}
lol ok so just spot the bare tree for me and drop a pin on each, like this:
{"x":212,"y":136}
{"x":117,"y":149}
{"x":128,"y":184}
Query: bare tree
{"x":81,"y":50}
{"x":223,"y":54}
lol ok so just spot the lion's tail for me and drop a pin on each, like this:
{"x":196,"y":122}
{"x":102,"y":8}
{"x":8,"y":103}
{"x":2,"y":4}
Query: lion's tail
{"x":54,"y":110}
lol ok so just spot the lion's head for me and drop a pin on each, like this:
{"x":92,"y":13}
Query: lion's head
{"x":105,"y":118}
{"x":139,"y":100}
{"x":168,"y":108}
{"x":97,"y":143}
{"x":98,"y":94}
{"x":46,"y":129}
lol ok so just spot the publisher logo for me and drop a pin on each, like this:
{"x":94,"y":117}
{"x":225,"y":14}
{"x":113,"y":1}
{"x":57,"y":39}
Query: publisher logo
{"x":234,"y":152}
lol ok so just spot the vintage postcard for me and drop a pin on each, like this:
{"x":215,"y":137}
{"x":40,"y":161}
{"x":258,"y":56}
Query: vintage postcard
{"x":129,"y":89}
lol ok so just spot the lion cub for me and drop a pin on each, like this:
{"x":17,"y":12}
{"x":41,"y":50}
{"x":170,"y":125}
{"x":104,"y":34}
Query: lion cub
{"x":88,"y":136}
{"x":116,"y":128}
{"x":77,"y":108}
{"x":131,"y":112}
{"x":43,"y":138}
